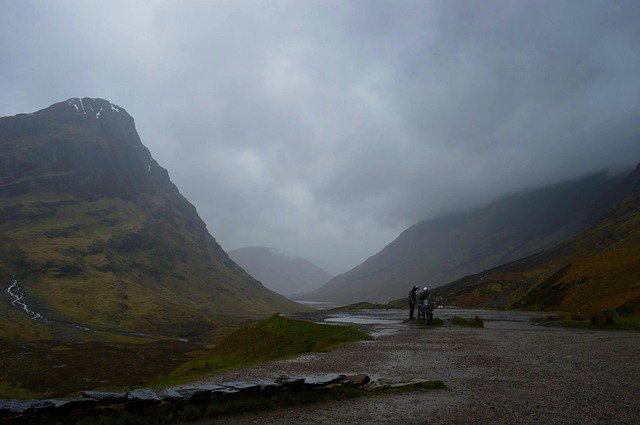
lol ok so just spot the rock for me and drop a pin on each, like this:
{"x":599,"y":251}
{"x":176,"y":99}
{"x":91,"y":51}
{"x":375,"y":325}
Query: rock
{"x":324,"y":380}
{"x":169,"y":394}
{"x":206,"y":392}
{"x":13,"y":407}
{"x":68,"y":404}
{"x":410,"y":383}
{"x":357,"y":381}
{"x":105,"y":397}
{"x":194,"y":394}
{"x":270,"y":386}
{"x":145,"y":396}
{"x":291,"y":382}
{"x":243,"y":386}
{"x":221,"y":390}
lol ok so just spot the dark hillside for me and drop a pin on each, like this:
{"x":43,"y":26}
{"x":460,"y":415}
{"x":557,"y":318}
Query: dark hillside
{"x":598,"y":268}
{"x":437,"y":251}
{"x":97,"y":233}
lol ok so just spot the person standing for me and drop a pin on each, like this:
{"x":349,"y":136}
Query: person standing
{"x":424,"y":296}
{"x":412,"y":300}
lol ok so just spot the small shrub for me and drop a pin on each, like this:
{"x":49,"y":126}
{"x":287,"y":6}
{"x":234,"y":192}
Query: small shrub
{"x":476,"y":322}
{"x":548,"y":318}
{"x":577,"y":316}
{"x":600,"y":319}
{"x":437,"y":322}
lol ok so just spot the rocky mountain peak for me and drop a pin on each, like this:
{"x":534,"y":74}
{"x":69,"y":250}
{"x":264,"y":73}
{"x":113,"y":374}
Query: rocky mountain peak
{"x":91,"y":107}
{"x":94,"y":106}
{"x":97,"y":234}
{"x":90,"y":137}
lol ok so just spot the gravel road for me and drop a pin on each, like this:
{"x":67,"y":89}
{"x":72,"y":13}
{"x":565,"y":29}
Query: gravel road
{"x":510,"y":372}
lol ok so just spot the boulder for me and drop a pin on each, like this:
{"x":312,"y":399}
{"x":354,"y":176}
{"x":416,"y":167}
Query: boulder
{"x":194,"y":393}
{"x":68,"y":404}
{"x":243,"y":386}
{"x":169,"y":394}
{"x":270,"y":386}
{"x":143,"y":396}
{"x":206,"y":392}
{"x":105,"y":397}
{"x":9,"y":407}
{"x":357,"y":381}
{"x":324,"y":380}
{"x":220,"y":390}
{"x":291,"y":382}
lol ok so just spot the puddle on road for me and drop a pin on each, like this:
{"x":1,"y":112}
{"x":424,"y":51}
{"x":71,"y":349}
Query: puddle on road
{"x":383,"y":332}
{"x":360,"y":320}
{"x":387,"y":322}
{"x":378,"y":326}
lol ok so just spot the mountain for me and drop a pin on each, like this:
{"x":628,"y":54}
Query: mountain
{"x":598,"y":268}
{"x":278,"y":271}
{"x":438,"y":251}
{"x":97,"y":233}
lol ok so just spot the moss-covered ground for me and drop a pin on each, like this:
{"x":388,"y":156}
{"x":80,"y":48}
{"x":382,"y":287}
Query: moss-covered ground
{"x":470,"y":322}
{"x":52,"y":369}
{"x":275,"y":338}
{"x":575,"y":320}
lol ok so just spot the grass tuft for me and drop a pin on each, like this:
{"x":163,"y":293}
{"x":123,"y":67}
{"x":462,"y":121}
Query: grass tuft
{"x":594,"y":321}
{"x":476,"y":322}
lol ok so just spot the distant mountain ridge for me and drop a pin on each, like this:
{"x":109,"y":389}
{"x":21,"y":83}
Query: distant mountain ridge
{"x":97,"y":233}
{"x":438,"y":251}
{"x":278,"y":271}
{"x":596,"y":269}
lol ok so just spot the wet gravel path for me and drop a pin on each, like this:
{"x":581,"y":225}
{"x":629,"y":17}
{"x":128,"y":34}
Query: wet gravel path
{"x":510,"y":372}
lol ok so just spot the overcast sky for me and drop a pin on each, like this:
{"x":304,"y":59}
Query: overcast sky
{"x":326,"y":128}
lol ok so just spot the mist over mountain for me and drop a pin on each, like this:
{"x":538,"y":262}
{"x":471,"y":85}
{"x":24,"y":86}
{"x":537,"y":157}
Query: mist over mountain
{"x":598,"y":268}
{"x":435,"y":252}
{"x":96,"y":233}
{"x":329,"y":127}
{"x":278,"y":271}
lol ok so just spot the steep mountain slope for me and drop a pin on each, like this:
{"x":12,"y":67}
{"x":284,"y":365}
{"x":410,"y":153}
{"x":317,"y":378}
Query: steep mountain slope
{"x":437,"y":251}
{"x":96,"y":232}
{"x":278,"y":271}
{"x":598,"y":268}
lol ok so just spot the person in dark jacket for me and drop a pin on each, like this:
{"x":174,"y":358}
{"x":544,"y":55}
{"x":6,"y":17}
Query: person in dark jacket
{"x":424,"y":295}
{"x":412,"y":300}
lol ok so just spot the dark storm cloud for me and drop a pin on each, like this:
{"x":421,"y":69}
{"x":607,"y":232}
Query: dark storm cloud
{"x":325,"y":128}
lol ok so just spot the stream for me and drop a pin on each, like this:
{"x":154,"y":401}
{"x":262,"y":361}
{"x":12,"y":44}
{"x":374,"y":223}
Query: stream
{"x":18,"y":301}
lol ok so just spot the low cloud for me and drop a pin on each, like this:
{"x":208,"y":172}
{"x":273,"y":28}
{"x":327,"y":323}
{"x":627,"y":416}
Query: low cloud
{"x":325,"y":128}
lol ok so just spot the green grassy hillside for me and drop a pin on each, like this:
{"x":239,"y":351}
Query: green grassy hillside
{"x":598,"y":268}
{"x":275,"y":338}
{"x":96,"y":233}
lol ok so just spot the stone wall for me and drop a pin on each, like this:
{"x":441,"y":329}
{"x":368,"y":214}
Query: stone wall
{"x":106,"y":403}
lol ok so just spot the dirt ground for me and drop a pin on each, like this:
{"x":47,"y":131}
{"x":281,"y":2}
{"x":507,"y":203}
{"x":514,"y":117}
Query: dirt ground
{"x":510,"y":372}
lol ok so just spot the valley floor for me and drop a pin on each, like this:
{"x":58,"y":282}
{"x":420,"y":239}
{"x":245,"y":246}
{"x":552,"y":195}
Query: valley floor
{"x":508,"y":372}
